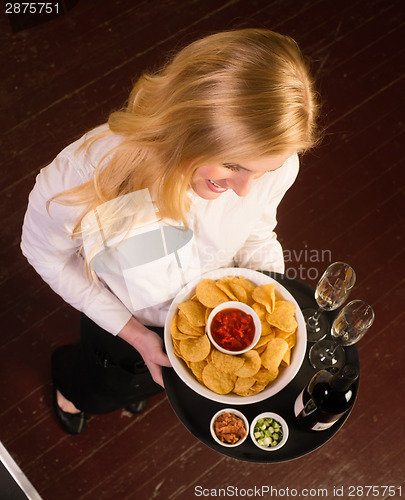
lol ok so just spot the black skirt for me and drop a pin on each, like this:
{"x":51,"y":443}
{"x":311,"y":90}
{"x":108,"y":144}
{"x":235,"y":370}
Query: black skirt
{"x":102,"y":373}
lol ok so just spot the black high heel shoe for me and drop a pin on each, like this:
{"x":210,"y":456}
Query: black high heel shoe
{"x":138,"y":407}
{"x":72,"y":423}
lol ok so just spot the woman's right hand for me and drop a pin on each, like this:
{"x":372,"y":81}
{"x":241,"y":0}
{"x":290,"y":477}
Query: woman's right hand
{"x":149,"y":345}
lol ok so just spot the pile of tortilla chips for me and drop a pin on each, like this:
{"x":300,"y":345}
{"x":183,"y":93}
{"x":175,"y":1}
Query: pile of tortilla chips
{"x":245,"y":374}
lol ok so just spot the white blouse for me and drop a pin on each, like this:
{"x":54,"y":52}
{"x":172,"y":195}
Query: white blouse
{"x":141,"y":275}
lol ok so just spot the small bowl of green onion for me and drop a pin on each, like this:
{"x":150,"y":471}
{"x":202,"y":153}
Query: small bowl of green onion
{"x":269,"y":431}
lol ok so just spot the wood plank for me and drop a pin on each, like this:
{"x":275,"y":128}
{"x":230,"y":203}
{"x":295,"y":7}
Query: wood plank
{"x":319,"y":201}
{"x":128,"y":442}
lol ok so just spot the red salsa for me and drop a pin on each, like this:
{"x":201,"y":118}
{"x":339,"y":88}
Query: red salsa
{"x":233,"y":329}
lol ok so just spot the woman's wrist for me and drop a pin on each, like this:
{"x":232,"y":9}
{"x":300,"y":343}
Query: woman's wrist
{"x":133,"y":332}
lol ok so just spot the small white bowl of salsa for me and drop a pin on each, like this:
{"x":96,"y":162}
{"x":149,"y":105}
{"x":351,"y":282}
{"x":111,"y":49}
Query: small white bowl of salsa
{"x":233,"y":327}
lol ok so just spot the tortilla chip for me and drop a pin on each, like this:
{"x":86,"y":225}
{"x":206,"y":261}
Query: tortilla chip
{"x":283,"y":316}
{"x":209,"y":294}
{"x":251,"y":365}
{"x":243,"y":384}
{"x":185,"y":327}
{"x":272,"y":356}
{"x":195,"y":349}
{"x":197,"y":368}
{"x":265,"y":295}
{"x":226,"y":362}
{"x":194,"y":311}
{"x":264,"y":376}
{"x":224,"y":284}
{"x":218,"y":382}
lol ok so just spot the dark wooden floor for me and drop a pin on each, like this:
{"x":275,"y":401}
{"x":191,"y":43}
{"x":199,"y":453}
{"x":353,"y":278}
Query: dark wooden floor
{"x":59,"y":79}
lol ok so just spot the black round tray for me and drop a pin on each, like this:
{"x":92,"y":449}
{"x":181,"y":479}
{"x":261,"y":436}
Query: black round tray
{"x":196,"y":411}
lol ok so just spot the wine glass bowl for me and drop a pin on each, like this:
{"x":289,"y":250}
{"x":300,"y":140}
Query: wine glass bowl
{"x":331,"y":292}
{"x":350,"y":325}
{"x":352,"y":322}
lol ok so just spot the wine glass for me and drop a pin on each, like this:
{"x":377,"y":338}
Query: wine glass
{"x":350,"y":325}
{"x":331,"y":292}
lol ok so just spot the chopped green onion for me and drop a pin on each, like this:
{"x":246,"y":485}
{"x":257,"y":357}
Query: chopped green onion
{"x":268,"y":432}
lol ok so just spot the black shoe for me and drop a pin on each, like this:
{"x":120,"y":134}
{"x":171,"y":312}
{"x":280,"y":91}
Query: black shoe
{"x":137,"y":407}
{"x":72,"y":423}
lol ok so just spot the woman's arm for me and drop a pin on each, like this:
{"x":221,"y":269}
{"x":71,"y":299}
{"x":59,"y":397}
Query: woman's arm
{"x":48,"y":246}
{"x":262,"y":250}
{"x":149,"y":345}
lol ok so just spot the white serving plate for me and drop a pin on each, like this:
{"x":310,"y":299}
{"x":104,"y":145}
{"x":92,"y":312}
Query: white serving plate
{"x":286,"y":373}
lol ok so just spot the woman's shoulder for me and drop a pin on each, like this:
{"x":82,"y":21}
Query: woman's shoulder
{"x":85,"y":154}
{"x":77,"y":162}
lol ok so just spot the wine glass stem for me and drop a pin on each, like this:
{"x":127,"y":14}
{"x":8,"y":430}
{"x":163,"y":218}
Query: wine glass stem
{"x":329,"y":352}
{"x":314,"y":319}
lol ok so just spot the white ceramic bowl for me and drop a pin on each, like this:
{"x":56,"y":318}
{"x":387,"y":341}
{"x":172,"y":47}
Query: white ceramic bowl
{"x":238,"y":414}
{"x":286,"y":373}
{"x":278,"y":419}
{"x":232,"y":304}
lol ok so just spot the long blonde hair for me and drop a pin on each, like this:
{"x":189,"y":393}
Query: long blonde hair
{"x":231,"y":96}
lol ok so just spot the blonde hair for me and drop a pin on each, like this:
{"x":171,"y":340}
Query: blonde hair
{"x":229,"y":97}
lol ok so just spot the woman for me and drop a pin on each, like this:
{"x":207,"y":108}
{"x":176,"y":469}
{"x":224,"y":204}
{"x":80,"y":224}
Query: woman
{"x":186,"y":179}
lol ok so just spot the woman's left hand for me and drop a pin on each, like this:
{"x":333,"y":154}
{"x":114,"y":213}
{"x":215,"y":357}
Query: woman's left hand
{"x":149,"y":345}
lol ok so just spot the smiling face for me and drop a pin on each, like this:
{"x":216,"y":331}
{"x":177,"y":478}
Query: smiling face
{"x":210,"y":181}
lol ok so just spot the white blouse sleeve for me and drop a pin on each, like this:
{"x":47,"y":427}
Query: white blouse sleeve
{"x":48,"y":246}
{"x":262,"y":251}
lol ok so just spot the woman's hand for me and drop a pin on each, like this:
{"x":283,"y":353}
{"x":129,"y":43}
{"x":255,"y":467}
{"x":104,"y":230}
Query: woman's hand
{"x":149,"y":345}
